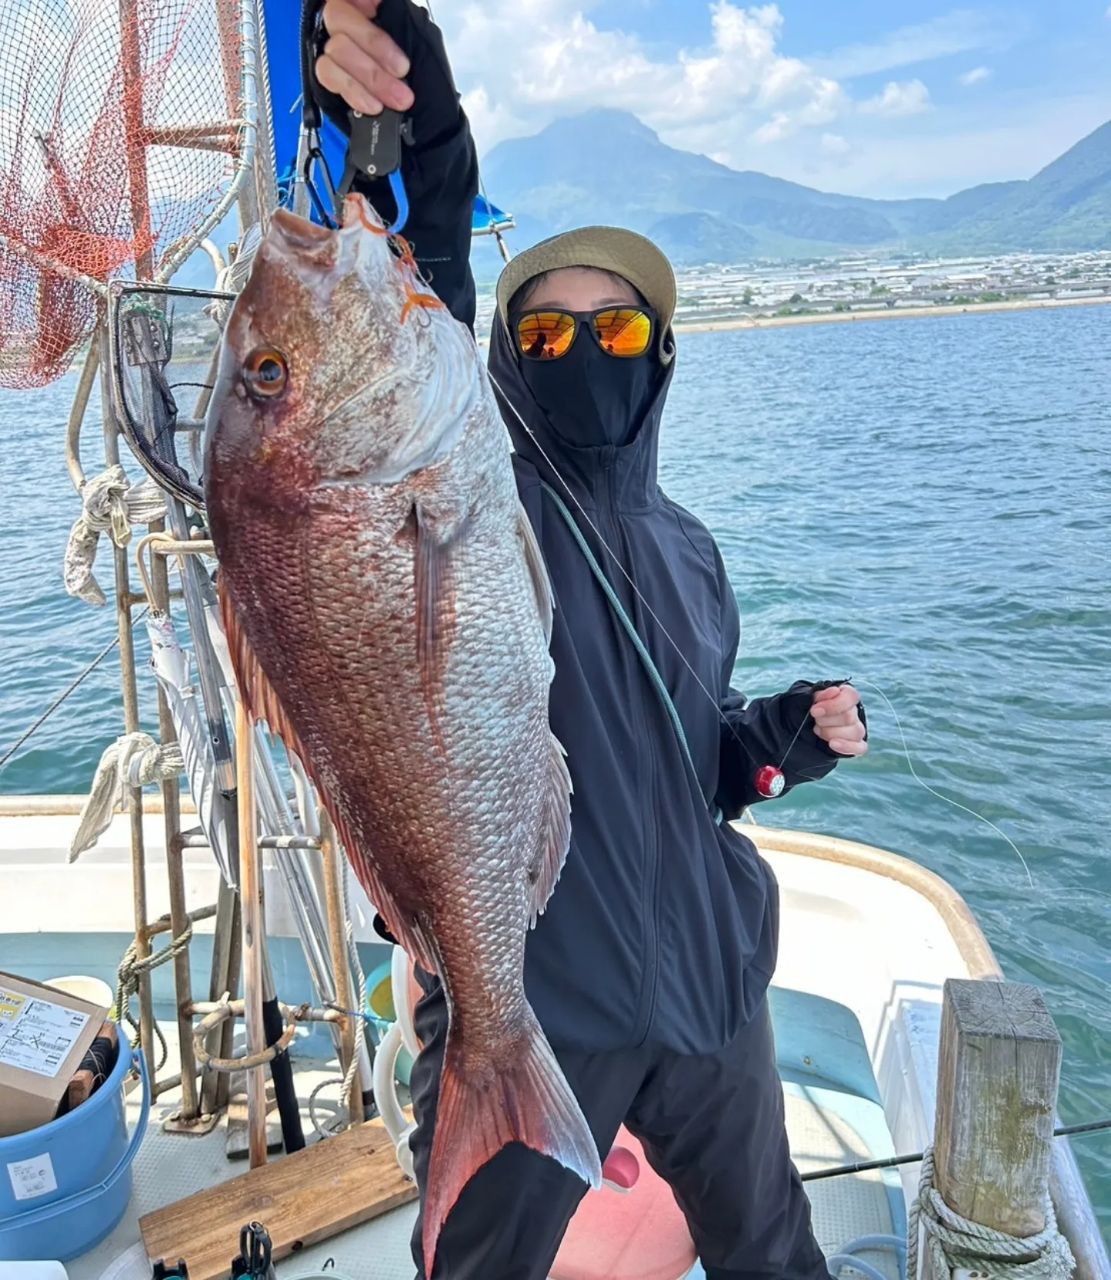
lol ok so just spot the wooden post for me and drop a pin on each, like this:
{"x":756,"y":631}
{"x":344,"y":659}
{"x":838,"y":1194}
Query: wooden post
{"x":332,"y":858}
{"x":998,"y":1069}
{"x":250,"y":903}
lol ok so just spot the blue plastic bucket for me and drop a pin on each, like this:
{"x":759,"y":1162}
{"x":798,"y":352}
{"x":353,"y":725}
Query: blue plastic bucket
{"x":74,"y":1174}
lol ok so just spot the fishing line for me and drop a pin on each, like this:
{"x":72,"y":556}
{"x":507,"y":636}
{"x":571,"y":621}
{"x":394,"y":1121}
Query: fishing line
{"x":66,"y":693}
{"x":955,"y":803}
{"x":698,"y":680}
{"x":624,"y":572}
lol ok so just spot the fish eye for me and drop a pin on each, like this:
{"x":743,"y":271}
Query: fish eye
{"x":265,"y":373}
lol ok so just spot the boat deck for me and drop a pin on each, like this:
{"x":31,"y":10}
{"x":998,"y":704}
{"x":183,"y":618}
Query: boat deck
{"x":827,"y":1126}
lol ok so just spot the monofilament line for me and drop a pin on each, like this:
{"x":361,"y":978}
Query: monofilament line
{"x":955,"y":803}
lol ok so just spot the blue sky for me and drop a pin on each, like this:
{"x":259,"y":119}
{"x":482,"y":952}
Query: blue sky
{"x":913,"y":98}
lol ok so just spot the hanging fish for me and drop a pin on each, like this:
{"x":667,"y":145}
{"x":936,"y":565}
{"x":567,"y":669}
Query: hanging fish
{"x":389,"y":614}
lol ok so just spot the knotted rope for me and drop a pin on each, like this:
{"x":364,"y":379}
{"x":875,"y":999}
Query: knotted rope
{"x":110,"y":503}
{"x":955,"y":1242}
{"x":131,"y":968}
{"x":131,"y":761}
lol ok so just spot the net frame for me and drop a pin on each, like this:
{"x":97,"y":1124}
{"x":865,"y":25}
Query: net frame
{"x":138,"y":424}
{"x":73,"y":219}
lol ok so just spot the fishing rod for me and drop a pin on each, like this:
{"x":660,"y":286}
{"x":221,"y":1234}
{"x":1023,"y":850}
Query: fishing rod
{"x":916,"y":1157}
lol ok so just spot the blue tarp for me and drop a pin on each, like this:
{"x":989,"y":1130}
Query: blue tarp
{"x":282,"y":18}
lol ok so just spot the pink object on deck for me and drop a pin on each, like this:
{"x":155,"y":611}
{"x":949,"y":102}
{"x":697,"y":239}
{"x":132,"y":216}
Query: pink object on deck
{"x":637,"y":1236}
{"x":622,"y":1168}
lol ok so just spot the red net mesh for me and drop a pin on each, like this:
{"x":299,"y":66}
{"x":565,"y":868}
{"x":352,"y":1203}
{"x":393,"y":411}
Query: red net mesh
{"x":120,"y":128}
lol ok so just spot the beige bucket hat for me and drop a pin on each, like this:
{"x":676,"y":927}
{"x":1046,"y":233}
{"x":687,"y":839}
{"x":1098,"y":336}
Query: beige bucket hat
{"x":626,"y":253}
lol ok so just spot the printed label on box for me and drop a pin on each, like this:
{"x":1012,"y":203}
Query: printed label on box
{"x":33,"y":1178}
{"x":10,"y":1004}
{"x":36,"y":1035}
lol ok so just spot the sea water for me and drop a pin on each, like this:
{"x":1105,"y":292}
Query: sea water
{"x":919,"y":504}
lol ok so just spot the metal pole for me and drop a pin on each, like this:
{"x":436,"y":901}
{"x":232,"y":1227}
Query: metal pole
{"x":130,"y":716}
{"x":337,"y":937}
{"x":250,"y":903}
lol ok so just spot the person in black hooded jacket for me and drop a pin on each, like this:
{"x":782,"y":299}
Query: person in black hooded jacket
{"x":649,"y":968}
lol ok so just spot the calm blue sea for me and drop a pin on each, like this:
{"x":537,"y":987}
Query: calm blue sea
{"x":919,"y":504}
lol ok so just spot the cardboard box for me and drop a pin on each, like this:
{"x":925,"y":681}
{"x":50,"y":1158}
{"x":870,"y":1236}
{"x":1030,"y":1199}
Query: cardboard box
{"x":43,"y":1037}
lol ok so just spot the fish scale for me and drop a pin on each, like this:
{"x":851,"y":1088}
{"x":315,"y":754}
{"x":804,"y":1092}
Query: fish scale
{"x":389,"y":615}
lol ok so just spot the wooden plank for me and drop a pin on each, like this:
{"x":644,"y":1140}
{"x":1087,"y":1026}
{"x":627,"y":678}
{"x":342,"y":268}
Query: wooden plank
{"x":998,"y":1070}
{"x":301,"y":1199}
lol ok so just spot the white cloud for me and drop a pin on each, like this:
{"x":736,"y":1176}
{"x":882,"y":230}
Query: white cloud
{"x":833,"y":144}
{"x":522,"y":63}
{"x":976,"y":76}
{"x":908,"y":98}
{"x":961,"y":31}
{"x":955,"y":151}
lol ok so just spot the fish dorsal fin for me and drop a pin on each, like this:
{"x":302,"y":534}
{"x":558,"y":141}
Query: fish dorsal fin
{"x":538,"y":571}
{"x":263,"y":703}
{"x":555,"y":828}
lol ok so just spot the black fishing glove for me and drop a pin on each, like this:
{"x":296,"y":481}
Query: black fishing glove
{"x":439,"y":169}
{"x":436,"y":113}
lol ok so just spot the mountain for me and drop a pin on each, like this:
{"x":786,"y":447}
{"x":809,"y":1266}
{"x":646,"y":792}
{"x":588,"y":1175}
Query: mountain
{"x":606,"y":166}
{"x":1066,"y":206}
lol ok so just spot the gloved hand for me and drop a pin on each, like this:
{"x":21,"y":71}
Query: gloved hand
{"x":388,"y":53}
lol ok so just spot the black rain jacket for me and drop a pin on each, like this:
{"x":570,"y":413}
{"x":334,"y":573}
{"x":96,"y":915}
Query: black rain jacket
{"x":663,"y":926}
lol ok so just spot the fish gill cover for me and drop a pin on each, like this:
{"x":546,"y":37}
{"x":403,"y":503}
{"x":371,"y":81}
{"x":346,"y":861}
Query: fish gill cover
{"x":121,"y":125}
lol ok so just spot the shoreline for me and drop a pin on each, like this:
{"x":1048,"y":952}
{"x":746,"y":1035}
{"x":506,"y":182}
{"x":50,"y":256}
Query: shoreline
{"x":884,"y":313}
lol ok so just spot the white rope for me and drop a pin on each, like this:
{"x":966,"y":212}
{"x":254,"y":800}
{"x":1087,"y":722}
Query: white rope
{"x":352,"y":1074}
{"x":955,"y":1242}
{"x":110,"y":503}
{"x":234,"y":275}
{"x":131,"y":761}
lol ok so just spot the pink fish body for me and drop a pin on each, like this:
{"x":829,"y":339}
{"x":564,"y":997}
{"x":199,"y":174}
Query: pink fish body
{"x":389,"y":614}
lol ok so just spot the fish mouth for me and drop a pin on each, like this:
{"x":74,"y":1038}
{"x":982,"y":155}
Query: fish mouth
{"x":299,"y":234}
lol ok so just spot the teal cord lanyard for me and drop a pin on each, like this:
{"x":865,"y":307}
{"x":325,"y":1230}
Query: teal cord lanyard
{"x":622,"y":616}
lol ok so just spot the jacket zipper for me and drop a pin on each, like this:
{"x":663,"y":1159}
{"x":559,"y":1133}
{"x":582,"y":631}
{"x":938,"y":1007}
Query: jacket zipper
{"x":650,"y":905}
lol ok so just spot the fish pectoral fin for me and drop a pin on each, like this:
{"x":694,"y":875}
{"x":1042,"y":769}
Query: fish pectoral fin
{"x":555,"y":831}
{"x":434,"y":591}
{"x":538,"y":572}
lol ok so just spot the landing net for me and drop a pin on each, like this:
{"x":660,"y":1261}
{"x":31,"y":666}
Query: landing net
{"x":125,"y":126}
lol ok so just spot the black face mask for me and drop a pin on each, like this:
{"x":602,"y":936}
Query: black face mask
{"x":591,"y":398}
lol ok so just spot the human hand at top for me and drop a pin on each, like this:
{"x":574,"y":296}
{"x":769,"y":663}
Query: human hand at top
{"x":360,"y":62}
{"x":837,"y":721}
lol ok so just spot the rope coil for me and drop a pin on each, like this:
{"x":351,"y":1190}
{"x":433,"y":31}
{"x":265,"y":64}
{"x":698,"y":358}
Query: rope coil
{"x":229,"y":1008}
{"x":956,"y":1242}
{"x":132,"y":968}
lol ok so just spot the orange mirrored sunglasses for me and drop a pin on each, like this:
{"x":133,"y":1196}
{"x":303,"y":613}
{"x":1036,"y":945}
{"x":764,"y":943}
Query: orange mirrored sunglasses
{"x":622,"y":332}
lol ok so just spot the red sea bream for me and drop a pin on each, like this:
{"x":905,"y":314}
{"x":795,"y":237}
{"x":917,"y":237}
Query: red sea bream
{"x":389,"y":614}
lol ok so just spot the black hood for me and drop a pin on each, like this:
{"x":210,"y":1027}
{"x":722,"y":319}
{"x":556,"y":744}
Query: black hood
{"x":627,"y":471}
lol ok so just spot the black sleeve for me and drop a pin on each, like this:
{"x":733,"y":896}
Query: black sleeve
{"x":440,"y":169}
{"x":776,"y":730}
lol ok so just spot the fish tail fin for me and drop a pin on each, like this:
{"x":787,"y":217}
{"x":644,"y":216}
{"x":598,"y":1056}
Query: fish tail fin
{"x":525,"y":1099}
